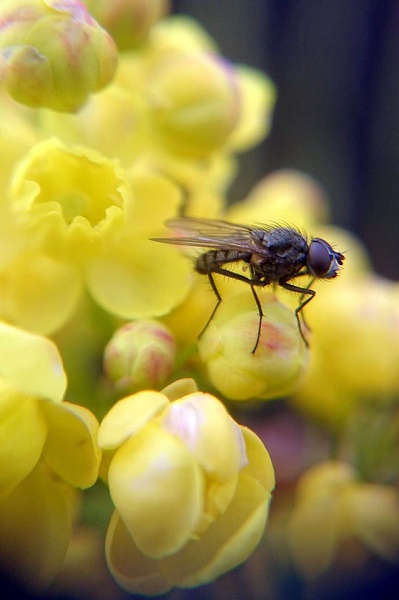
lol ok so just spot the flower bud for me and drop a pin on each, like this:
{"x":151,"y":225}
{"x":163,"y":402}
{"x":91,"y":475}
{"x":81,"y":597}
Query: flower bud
{"x":338,"y":515}
{"x":140,"y":355}
{"x":53,"y":54}
{"x":194,"y":103}
{"x":286,"y":195}
{"x":236,"y":366}
{"x":128,"y":21}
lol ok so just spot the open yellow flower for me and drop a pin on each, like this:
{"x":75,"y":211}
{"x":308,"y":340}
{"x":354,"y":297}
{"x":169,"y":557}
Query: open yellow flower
{"x":47,"y":448}
{"x":190,"y":486}
{"x":86,"y":222}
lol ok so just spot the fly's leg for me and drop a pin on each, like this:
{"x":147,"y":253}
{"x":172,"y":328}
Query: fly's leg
{"x":261,"y":315}
{"x":219,"y":299}
{"x":302,"y":302}
{"x":239,"y":277}
{"x":301,"y":305}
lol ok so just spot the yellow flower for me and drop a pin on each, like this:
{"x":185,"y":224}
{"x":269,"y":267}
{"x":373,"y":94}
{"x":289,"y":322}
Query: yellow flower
{"x":334,"y":508}
{"x":257,"y":100}
{"x":47,"y":448}
{"x":190,"y":486}
{"x":284,"y":196}
{"x":53,"y":54}
{"x":152,"y":114}
{"x":17,"y":135}
{"x":354,"y":347}
{"x":85,"y":221}
{"x":128,"y":21}
{"x":235,"y":367}
{"x":194,"y":103}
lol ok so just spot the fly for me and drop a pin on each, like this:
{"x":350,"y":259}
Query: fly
{"x":273,"y":255}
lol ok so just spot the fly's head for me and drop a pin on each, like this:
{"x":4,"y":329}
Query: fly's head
{"x":322,"y":261}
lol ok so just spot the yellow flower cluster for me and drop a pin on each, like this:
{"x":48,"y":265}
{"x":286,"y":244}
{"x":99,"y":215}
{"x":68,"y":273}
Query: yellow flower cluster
{"x":87,"y":182}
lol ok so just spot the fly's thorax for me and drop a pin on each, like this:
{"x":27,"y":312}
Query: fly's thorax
{"x":214,"y":259}
{"x":283,"y":254}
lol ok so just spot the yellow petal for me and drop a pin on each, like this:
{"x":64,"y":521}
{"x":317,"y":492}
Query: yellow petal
{"x":374,"y":514}
{"x":314,"y":534}
{"x":217,"y":499}
{"x":156,"y":199}
{"x":157,"y":488}
{"x":31,"y":363}
{"x":179,"y":388}
{"x":71,"y":448}
{"x":259,"y":466}
{"x":128,"y":416}
{"x":135,"y":279}
{"x":40,"y":292}
{"x":35,"y":527}
{"x":22,"y":435}
{"x":226,"y":543}
{"x":258,"y":96}
{"x":134,"y":571}
{"x":133,"y":276}
{"x":207,"y":430}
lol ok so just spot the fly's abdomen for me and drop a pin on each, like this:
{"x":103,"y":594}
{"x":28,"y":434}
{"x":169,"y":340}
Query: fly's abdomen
{"x":214,"y":259}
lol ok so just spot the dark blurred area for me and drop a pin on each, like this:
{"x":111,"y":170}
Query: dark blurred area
{"x":335,"y":65}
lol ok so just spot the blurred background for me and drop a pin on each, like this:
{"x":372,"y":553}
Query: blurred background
{"x":335,"y":65}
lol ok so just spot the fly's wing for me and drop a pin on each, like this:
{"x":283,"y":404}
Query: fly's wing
{"x":210,"y":233}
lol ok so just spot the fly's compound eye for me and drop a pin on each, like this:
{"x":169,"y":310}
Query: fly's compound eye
{"x":322,"y":260}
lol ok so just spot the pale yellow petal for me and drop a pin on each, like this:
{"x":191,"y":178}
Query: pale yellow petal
{"x":22,"y":435}
{"x":226,"y":543}
{"x":40,"y":293}
{"x":314,"y":535}
{"x":31,"y":363}
{"x":374,"y":517}
{"x":128,"y":416}
{"x":179,"y":388}
{"x":71,"y":448}
{"x":157,"y":488}
{"x":205,"y":427}
{"x":259,"y":464}
{"x":134,"y":571}
{"x":35,"y":527}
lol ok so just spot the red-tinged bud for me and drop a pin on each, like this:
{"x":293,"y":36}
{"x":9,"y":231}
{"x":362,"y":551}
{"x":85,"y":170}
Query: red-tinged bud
{"x":140,"y":355}
{"x":241,"y":365}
